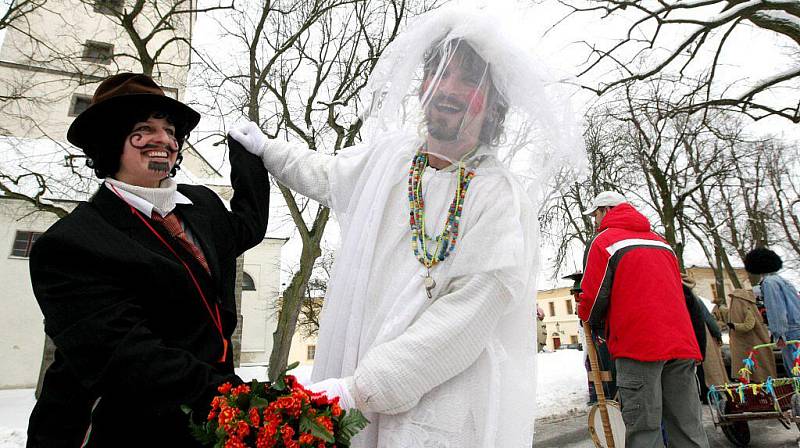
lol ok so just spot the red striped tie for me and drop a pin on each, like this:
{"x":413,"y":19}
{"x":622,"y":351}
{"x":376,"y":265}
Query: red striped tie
{"x":173,"y":225}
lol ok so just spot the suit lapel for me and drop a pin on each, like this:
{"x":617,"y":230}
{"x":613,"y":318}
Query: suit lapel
{"x":120,"y":215}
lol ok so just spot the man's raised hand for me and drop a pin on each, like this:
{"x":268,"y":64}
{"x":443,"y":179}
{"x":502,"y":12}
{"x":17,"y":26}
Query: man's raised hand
{"x":251,"y":137}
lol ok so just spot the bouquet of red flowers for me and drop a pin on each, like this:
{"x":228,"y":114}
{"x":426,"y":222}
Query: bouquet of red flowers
{"x":282,"y":414}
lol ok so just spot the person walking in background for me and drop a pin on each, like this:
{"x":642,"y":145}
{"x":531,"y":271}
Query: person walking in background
{"x":780,"y":301}
{"x":633,"y":284}
{"x":712,"y":370}
{"x":748,"y":330}
{"x":695,"y":309}
{"x":541,"y":331}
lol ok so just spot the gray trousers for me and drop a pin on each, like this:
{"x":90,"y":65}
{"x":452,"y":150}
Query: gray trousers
{"x":650,"y":392}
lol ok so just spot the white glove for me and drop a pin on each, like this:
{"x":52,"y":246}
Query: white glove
{"x":251,"y":137}
{"x":335,"y":387}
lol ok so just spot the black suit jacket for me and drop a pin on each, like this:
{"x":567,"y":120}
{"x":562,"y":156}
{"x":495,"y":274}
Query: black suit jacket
{"x":132,"y":335}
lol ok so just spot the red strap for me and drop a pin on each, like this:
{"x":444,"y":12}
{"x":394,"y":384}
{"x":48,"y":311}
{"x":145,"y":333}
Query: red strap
{"x":216,"y":319}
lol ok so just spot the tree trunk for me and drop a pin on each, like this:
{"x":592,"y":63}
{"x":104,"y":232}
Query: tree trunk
{"x":236,"y":339}
{"x":294,"y":295}
{"x":48,"y":354}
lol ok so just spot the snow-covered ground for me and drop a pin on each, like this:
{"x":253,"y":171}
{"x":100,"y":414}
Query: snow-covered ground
{"x":561,"y":387}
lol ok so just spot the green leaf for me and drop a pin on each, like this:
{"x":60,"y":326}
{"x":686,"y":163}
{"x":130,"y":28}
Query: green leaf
{"x":203,"y":433}
{"x":292,"y":366}
{"x":186,"y":409}
{"x":256,"y":388}
{"x":221,"y":436}
{"x":315,"y":429}
{"x":279,"y":383}
{"x":258,"y":402}
{"x":350,"y":424}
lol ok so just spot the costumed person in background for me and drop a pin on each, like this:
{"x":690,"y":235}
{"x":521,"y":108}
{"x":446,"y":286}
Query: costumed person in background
{"x":428,"y":323}
{"x":695,"y":309}
{"x":712,"y":370}
{"x":541,"y":331}
{"x":746,"y":331}
{"x":137,"y":285}
{"x":633,"y":284}
{"x":780,"y":300}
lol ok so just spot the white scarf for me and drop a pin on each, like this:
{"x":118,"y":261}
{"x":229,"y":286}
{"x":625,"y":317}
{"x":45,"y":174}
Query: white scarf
{"x":162,"y":198}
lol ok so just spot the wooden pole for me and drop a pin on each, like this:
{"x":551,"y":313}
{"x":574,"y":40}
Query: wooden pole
{"x":597,"y":379}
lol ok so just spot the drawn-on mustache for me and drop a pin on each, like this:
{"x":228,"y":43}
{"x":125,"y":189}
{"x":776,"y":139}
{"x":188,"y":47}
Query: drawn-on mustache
{"x":147,"y":146}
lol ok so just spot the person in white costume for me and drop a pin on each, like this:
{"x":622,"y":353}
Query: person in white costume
{"x":428,"y":322}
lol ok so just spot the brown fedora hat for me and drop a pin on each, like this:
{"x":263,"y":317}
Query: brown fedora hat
{"x":122,"y":92}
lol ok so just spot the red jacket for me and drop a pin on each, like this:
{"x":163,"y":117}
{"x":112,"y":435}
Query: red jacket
{"x":632,"y":282}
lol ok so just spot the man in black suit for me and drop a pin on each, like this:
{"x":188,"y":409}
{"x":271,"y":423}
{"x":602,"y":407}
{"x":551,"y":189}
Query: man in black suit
{"x":137,"y":285}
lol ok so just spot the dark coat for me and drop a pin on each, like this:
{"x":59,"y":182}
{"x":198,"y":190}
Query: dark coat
{"x":130,"y":328}
{"x":695,"y":309}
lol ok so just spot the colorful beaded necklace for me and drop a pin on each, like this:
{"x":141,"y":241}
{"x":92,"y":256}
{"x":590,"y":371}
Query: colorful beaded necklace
{"x":420,"y":241}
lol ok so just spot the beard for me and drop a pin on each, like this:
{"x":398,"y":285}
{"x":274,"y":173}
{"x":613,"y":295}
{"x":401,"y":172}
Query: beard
{"x":443,"y":125}
{"x":160,"y":167}
{"x":441,"y":130}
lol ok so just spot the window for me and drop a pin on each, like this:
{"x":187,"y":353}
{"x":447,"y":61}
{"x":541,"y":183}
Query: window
{"x":108,"y":6}
{"x":23,"y":243}
{"x":97,"y":52}
{"x":569,"y":307}
{"x":552,"y":308}
{"x":573,"y":339}
{"x":79,"y":104}
{"x":247,"y":282}
{"x":311,"y":352}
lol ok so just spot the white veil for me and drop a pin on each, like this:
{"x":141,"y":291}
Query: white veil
{"x":540,"y":133}
{"x":538,"y":136}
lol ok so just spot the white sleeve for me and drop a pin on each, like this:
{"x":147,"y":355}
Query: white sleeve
{"x":447,"y":338}
{"x":302,"y":170}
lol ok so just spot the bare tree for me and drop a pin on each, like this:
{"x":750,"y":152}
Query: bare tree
{"x":155,"y":29}
{"x":561,"y":219}
{"x":308,"y":319}
{"x":703,"y":215}
{"x":657,"y":143}
{"x":783,"y":180}
{"x":14,"y":12}
{"x":678,"y":166}
{"x":703,"y":29}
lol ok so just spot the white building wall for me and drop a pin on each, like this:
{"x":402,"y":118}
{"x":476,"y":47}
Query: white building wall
{"x":299,"y":352}
{"x":49,"y":69}
{"x":262,"y":263}
{"x":21,"y":322}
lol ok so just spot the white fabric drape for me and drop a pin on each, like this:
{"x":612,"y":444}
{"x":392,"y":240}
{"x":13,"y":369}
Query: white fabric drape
{"x":455,"y":371}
